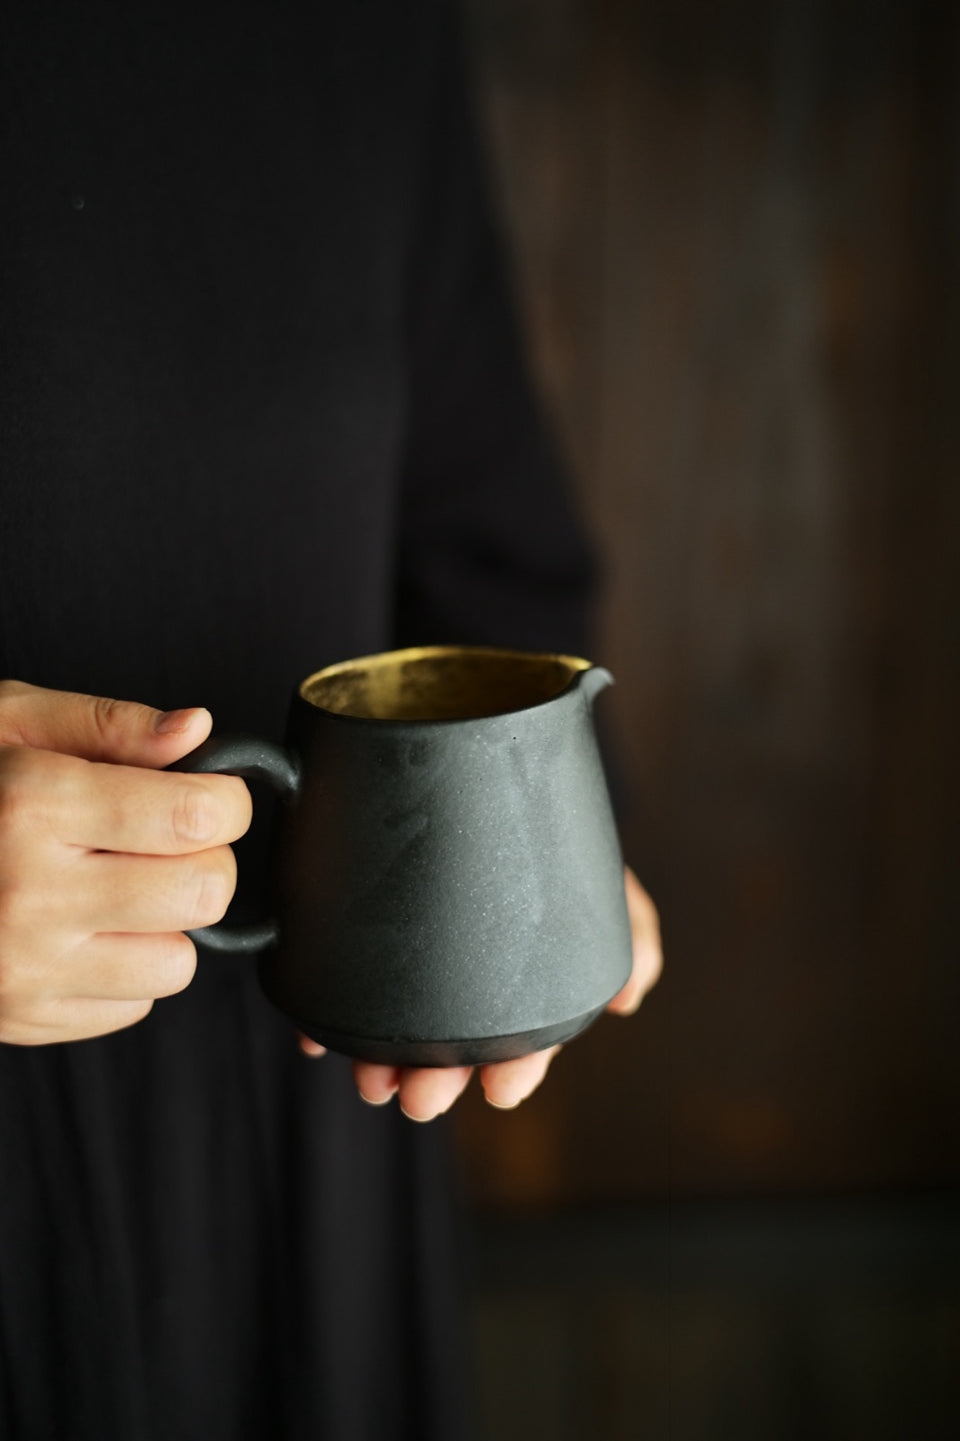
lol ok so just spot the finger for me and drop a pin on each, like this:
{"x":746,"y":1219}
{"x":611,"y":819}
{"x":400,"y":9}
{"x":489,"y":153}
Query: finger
{"x":309,"y":1046}
{"x":98,"y":728}
{"x":120,"y":808}
{"x":647,"y":948}
{"x":129,"y":967}
{"x":507,"y":1083}
{"x":426,"y":1093}
{"x":76,"y":1020}
{"x":376,"y":1084}
{"x":151,"y":893}
{"x":647,"y":966}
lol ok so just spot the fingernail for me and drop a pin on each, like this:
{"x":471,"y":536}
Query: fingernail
{"x":505,"y":1105}
{"x":369,"y":1101}
{"x":173,"y":722}
{"x":420,"y":1120}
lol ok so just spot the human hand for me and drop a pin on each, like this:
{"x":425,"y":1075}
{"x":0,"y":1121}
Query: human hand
{"x":427,"y":1092}
{"x":104,"y":860}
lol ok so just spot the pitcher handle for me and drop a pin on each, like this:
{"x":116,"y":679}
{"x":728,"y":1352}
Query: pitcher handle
{"x":252,"y":759}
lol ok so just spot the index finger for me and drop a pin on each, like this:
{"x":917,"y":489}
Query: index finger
{"x":145,"y":812}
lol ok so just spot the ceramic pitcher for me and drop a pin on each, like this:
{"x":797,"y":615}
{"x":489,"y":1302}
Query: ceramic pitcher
{"x":446,"y":872}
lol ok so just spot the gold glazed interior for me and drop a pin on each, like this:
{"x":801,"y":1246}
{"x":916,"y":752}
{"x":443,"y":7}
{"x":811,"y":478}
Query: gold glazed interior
{"x":440,"y":683}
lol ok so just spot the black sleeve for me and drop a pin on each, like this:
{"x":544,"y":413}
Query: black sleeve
{"x":491,"y":549}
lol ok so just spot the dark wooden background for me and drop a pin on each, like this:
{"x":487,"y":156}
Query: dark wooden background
{"x":735,"y":231}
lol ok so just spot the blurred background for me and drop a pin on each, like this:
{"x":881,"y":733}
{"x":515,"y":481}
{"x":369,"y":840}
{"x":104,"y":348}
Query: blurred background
{"x":735,"y":233}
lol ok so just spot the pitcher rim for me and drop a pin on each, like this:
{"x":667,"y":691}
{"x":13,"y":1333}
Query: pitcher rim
{"x":577,"y":665}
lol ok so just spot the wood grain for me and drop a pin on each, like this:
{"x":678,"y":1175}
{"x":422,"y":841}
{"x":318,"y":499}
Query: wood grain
{"x":735,"y":237}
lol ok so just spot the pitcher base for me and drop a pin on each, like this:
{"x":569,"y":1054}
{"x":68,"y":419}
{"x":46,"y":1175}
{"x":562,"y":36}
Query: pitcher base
{"x":474,"y":1051}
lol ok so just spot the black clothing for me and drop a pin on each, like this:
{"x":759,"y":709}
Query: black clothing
{"x":260,"y":409}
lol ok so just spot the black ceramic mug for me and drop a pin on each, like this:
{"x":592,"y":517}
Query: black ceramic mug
{"x":447,"y":877}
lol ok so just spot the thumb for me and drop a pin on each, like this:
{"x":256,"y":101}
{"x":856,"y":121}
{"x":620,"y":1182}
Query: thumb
{"x":96,"y":728}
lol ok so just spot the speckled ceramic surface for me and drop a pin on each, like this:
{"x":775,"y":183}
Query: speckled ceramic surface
{"x":448,"y":885}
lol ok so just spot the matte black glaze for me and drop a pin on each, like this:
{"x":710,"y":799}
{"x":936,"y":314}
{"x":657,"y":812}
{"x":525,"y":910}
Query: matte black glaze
{"x":256,"y":760}
{"x":448,"y":892}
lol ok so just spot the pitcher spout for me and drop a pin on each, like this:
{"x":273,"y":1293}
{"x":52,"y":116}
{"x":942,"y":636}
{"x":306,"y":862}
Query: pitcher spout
{"x":591,"y":682}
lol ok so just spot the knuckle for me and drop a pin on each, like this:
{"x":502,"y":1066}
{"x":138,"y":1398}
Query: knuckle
{"x":196,"y":815}
{"x":108,"y":716}
{"x":34,"y":787}
{"x":214,"y":883}
{"x":17,"y":785}
{"x":176,"y":966}
{"x":17,"y":912}
{"x":43,"y":1014}
{"x":11,"y":693}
